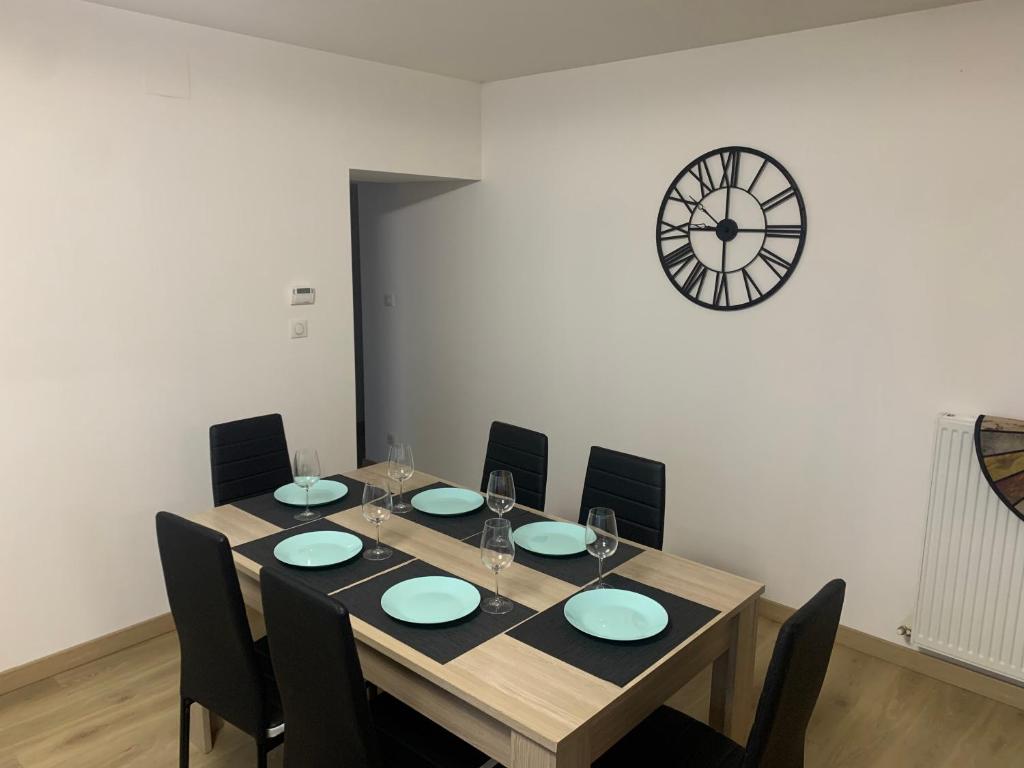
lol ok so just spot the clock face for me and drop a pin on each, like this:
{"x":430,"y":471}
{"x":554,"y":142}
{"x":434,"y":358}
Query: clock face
{"x":731,"y":228}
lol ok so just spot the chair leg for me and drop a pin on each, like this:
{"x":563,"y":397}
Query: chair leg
{"x":186,"y":705}
{"x":261,"y":753}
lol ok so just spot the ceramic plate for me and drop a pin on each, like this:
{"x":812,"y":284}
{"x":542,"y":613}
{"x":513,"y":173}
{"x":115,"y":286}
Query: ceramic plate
{"x":318,"y":549}
{"x":616,"y":614}
{"x":324,"y":492}
{"x":447,"y":501}
{"x":430,"y":600}
{"x":554,"y":538}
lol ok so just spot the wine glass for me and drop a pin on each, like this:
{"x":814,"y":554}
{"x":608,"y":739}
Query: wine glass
{"x":501,"y":492}
{"x":306,"y":469}
{"x":400,"y":469}
{"x":497,"y":551}
{"x":601,"y":522}
{"x":377,"y":503}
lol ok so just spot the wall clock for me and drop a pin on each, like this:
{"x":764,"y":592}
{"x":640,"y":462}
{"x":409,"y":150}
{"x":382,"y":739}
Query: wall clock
{"x":731,"y":228}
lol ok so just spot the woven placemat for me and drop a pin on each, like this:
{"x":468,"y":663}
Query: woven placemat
{"x":618,"y":663}
{"x":442,"y":643}
{"x":324,"y":579}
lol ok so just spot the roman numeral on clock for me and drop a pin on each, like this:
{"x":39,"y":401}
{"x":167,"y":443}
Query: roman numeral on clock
{"x":669,"y":231}
{"x":730,"y":168}
{"x":775,"y":262}
{"x":677,"y":196}
{"x":721,"y":298}
{"x":678,"y":258}
{"x":790,"y":231}
{"x":703,"y":175}
{"x":748,"y":283}
{"x":695,"y":280}
{"x":757,"y":175}
{"x":779,"y":199}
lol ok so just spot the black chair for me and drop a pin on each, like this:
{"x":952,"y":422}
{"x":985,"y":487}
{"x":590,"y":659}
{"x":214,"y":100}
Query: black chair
{"x":634,"y":487}
{"x":331,"y":722}
{"x":791,"y":687}
{"x":222,"y":668}
{"x":525,"y":454}
{"x":248,"y":457}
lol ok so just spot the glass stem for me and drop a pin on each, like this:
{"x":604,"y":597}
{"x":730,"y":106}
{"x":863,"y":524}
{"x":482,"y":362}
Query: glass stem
{"x":378,"y":535}
{"x":600,"y":571}
{"x":497,"y":585}
{"x":401,"y":491}
{"x":307,"y":499}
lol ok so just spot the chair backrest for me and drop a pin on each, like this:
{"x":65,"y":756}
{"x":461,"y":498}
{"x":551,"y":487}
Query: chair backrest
{"x":634,"y":487}
{"x":248,"y":457}
{"x":218,"y":659}
{"x":525,"y":454}
{"x":793,"y":682}
{"x":323,"y":692}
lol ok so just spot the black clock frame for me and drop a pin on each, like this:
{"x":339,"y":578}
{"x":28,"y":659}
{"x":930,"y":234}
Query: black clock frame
{"x":697,"y":163}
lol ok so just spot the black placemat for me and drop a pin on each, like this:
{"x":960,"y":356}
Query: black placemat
{"x":266,"y":507}
{"x":456,"y":526}
{"x":324,"y":579}
{"x":441,"y":643}
{"x":576,"y":569}
{"x":618,"y":663}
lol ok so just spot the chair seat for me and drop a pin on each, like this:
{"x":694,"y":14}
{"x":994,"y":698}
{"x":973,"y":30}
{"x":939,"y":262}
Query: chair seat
{"x":273,"y":715}
{"x":669,"y":737}
{"x":409,"y":739}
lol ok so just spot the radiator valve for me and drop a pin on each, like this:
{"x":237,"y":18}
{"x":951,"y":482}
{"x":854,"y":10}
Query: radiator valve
{"x":903,"y":631}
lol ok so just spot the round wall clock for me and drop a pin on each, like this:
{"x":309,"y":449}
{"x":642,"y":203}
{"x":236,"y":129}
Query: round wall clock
{"x":731,"y":228}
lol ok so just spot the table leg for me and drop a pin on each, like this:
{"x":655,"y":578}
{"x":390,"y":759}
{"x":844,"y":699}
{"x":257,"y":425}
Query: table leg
{"x":732,"y":679}
{"x":527,"y":753}
{"x":201,"y":729}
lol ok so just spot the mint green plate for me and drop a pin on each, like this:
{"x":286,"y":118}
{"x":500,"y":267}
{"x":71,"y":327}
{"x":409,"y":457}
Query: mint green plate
{"x":616,"y":614}
{"x":324,"y":492}
{"x":447,"y":501}
{"x":318,"y":549}
{"x":430,"y":600}
{"x":554,"y":538}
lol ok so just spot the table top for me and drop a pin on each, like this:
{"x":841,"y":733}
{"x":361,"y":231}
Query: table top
{"x":515,"y":683}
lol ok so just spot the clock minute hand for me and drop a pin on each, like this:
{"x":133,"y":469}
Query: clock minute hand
{"x":702,"y":208}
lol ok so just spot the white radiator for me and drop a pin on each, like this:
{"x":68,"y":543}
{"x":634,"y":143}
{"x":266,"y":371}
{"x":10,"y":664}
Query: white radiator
{"x":969,"y":602}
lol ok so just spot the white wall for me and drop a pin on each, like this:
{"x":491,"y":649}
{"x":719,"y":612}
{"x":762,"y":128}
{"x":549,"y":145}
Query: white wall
{"x":797,"y":434}
{"x":147,"y":245}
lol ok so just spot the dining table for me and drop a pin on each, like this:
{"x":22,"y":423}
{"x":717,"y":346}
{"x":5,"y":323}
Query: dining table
{"x":525,"y":688}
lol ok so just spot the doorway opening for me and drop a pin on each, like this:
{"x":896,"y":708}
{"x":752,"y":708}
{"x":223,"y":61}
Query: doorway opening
{"x":379,"y":209}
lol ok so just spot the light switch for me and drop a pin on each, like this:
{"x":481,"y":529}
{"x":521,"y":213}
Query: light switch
{"x":300,"y":329}
{"x":389,"y":299}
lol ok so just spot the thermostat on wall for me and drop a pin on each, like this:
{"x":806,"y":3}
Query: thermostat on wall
{"x":303,"y":295}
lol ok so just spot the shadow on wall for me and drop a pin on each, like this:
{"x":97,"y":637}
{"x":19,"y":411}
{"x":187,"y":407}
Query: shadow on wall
{"x":403,"y":195}
{"x":408,"y":189}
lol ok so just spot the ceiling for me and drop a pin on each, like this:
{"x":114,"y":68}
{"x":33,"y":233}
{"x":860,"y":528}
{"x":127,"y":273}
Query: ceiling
{"x":487,"y":40}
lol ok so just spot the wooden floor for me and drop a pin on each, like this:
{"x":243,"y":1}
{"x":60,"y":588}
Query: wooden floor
{"x":121,"y":712}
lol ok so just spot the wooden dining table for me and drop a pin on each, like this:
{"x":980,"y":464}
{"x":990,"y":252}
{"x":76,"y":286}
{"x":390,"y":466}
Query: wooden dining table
{"x":521,"y":706}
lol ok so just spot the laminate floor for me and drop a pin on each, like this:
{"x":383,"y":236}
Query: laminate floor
{"x":121,"y":712}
